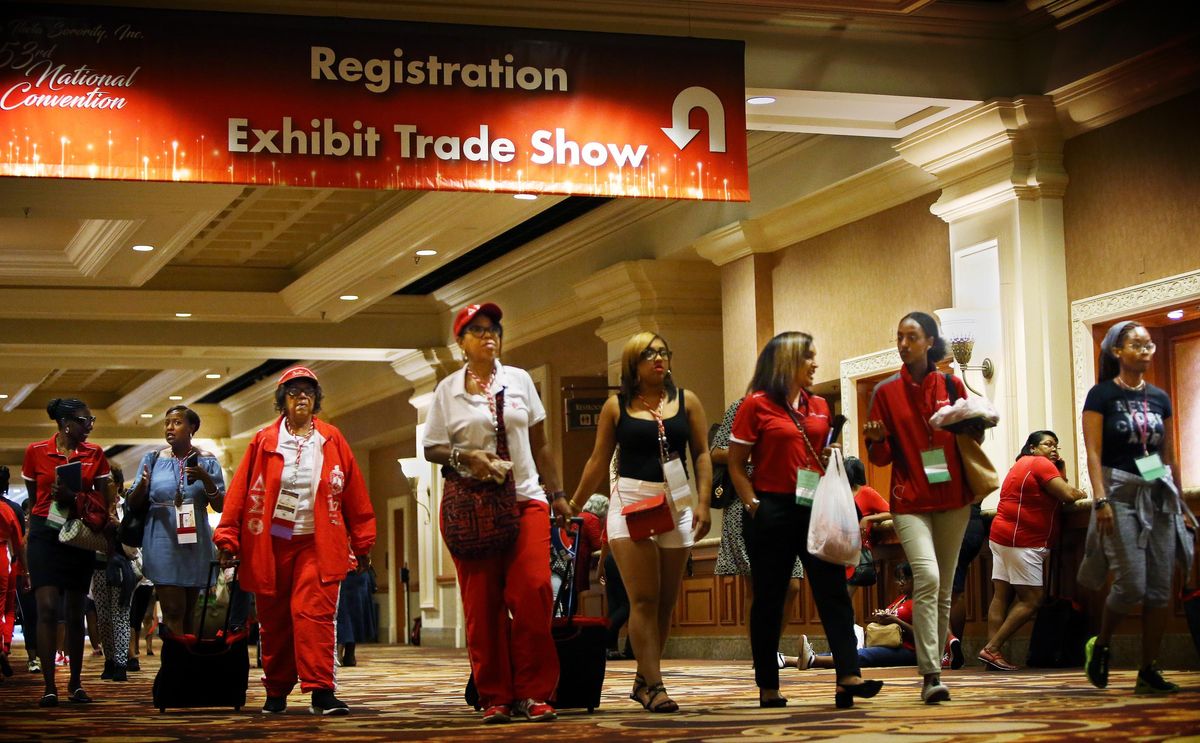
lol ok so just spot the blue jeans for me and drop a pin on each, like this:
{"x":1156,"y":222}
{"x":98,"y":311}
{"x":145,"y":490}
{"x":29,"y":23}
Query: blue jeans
{"x":877,"y":657}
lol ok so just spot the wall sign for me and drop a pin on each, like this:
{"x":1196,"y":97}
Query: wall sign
{"x":583,"y":413}
{"x":138,"y":94}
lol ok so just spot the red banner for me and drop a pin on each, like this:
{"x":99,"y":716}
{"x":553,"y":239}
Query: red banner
{"x":132,"y":94}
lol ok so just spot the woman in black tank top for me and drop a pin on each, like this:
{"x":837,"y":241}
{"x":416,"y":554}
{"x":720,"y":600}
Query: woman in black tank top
{"x":652,"y":421}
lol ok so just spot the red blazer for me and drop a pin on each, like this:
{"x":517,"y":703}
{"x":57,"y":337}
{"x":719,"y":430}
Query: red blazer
{"x":909,"y":434}
{"x":343,"y":519}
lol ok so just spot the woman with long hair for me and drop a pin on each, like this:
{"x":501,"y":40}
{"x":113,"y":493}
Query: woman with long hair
{"x":655,"y":424}
{"x":506,"y":596}
{"x":60,"y":573}
{"x":1137,"y":520}
{"x":1025,"y":525}
{"x":930,"y":500}
{"x":177,"y":485}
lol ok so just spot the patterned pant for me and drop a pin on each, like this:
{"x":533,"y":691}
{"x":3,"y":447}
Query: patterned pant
{"x":112,"y":618}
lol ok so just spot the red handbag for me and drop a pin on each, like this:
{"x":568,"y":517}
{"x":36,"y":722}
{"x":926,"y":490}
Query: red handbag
{"x":648,"y":517}
{"x":479,"y":518}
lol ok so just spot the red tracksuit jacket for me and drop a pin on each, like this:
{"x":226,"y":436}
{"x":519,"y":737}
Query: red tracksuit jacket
{"x":909,"y":434}
{"x":343,"y":519}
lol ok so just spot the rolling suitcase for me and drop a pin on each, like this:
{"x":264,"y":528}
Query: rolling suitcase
{"x":199,"y":671}
{"x":582,"y":642}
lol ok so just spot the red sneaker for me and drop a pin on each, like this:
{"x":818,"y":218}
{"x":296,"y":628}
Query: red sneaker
{"x":498,"y":713}
{"x":535,"y":711}
{"x":995,"y":661}
{"x":946,"y":659}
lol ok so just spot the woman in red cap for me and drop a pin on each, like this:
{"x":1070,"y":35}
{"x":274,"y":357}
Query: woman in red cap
{"x":298,"y":516}
{"x":506,"y":597}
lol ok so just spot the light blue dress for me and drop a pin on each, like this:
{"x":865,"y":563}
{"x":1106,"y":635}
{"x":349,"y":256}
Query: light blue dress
{"x":164,"y":561}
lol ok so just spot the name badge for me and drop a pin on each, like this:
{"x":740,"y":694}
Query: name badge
{"x":936,"y":469}
{"x":283,"y":521}
{"x":57,"y":516}
{"x":1151,"y":467}
{"x":677,"y":481}
{"x":185,"y":523}
{"x":806,"y":486}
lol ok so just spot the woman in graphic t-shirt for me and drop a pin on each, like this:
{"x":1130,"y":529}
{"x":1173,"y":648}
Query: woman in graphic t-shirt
{"x":1138,"y":512}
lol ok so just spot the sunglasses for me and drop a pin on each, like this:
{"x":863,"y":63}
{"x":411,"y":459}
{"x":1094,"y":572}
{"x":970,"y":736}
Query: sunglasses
{"x":83,"y":420}
{"x":308,"y":392}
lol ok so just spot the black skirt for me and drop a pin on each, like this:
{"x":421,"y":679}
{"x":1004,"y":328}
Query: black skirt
{"x":52,"y":563}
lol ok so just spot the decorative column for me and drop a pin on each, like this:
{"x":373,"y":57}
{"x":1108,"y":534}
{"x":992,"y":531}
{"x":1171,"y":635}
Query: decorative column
{"x":1000,"y":168}
{"x":440,"y":603}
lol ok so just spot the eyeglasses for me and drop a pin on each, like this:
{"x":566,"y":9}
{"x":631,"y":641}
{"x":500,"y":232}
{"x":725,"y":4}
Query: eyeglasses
{"x":1139,"y":348}
{"x":650,"y":354}
{"x":478,"y":331}
{"x":83,"y":420}
{"x":308,"y":392}
{"x":1049,"y":444}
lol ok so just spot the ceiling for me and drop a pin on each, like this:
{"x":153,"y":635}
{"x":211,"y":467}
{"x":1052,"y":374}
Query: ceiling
{"x":239,"y":275}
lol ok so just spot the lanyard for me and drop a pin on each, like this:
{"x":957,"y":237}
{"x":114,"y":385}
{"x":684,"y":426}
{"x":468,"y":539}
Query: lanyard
{"x":1143,"y":423}
{"x":182,"y":475}
{"x":487,"y":392}
{"x":816,"y":461}
{"x":300,"y":442}
{"x":658,"y":418}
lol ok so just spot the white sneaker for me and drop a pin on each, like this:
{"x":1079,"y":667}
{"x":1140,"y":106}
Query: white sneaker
{"x":805,"y":659}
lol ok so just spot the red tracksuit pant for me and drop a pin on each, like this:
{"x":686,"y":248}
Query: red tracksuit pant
{"x":8,"y":599}
{"x":512,"y":657}
{"x":298,"y":622}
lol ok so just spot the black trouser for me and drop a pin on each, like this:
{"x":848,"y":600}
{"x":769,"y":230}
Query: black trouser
{"x":780,"y":534}
{"x":618,"y":600}
{"x":29,"y":620}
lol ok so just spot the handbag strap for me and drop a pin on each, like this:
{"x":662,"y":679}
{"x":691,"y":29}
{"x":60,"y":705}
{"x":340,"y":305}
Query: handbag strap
{"x":501,"y":432}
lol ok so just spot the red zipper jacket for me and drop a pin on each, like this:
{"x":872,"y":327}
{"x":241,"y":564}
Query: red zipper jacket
{"x":909,"y":433}
{"x":343,"y":519}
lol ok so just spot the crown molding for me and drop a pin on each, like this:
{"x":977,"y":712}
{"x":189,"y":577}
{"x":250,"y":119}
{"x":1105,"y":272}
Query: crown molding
{"x":97,"y":241}
{"x":152,"y":394}
{"x":1128,"y":87}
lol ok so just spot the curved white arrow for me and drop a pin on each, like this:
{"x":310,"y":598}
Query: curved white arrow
{"x":688,"y":99}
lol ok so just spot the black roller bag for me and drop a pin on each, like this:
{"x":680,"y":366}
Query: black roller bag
{"x":199,"y":671}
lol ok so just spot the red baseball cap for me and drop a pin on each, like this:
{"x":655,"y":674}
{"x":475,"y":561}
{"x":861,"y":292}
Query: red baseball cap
{"x":297,"y":372}
{"x":468,"y":313}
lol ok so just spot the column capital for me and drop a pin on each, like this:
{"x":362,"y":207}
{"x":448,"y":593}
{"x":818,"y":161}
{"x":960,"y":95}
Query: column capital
{"x":423,"y":368}
{"x":1000,"y":150}
{"x":645,"y":294}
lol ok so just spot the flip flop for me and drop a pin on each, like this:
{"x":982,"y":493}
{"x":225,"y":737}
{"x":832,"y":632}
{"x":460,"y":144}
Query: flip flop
{"x":79,"y":696}
{"x":48,"y":700}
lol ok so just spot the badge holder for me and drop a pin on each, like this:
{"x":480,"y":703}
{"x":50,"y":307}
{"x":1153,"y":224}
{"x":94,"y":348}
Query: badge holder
{"x":185,"y":523}
{"x":936,"y":469}
{"x":677,"y":481}
{"x":283,"y":521}
{"x":806,"y":486}
{"x":56,"y":517}
{"x":1151,"y":467}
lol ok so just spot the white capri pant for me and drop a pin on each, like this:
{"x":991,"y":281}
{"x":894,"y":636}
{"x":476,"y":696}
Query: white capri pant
{"x":630,"y":491}
{"x":1018,"y":566}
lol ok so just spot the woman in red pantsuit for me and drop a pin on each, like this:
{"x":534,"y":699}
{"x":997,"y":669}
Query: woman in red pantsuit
{"x":513,"y":659}
{"x":298,"y":516}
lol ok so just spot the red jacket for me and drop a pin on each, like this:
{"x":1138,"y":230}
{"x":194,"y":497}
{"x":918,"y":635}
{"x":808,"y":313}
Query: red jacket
{"x":343,"y":519}
{"x":909,"y":434}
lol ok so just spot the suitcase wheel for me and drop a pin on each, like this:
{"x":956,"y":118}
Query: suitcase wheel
{"x":591,"y":710}
{"x":162,"y":710}
{"x":237,"y":709}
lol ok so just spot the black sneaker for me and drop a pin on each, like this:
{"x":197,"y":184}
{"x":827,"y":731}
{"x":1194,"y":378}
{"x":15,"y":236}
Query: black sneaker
{"x":5,"y":668}
{"x":1096,"y":664}
{"x":274,"y":705}
{"x":956,"y":653}
{"x":1150,"y":681}
{"x":119,"y":674}
{"x":107,"y":673}
{"x":133,"y":664}
{"x":325,"y":703}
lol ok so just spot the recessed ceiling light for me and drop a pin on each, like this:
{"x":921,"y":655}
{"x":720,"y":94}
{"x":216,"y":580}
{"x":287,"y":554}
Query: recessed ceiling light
{"x":3,"y":397}
{"x":175,"y":397}
{"x":143,"y":248}
{"x":1175,"y":314}
{"x":525,"y":196}
{"x":760,"y":100}
{"x":212,"y":376}
{"x":426,"y":251}
{"x":183,"y":314}
{"x":147,"y":415}
{"x":348,"y":297}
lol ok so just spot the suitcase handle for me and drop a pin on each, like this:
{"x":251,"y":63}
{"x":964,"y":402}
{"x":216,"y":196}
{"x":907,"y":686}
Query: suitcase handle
{"x":210,"y":584}
{"x":566,"y":597}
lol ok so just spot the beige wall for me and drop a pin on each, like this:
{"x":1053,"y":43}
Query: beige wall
{"x":849,"y":287}
{"x":1133,"y":203}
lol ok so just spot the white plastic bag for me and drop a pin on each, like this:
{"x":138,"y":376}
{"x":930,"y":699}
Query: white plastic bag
{"x":833,"y":532}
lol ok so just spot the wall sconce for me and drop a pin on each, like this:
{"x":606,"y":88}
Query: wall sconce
{"x":961,"y":348}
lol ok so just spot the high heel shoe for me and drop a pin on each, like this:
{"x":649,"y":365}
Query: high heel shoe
{"x":843,"y":697}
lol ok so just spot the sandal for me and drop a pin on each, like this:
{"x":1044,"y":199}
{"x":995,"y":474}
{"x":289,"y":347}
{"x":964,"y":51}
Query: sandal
{"x":49,"y":699}
{"x":79,"y":696}
{"x":639,"y":685}
{"x":780,"y":661}
{"x":666,"y":705}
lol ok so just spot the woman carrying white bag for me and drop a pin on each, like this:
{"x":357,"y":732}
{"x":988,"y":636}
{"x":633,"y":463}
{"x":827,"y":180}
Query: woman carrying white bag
{"x":782,"y":427}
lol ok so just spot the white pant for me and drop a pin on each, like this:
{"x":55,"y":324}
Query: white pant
{"x":630,"y":491}
{"x":931,"y":542}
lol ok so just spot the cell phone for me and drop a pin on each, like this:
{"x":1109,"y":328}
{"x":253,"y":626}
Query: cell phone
{"x":835,"y":429}
{"x":193,"y":460}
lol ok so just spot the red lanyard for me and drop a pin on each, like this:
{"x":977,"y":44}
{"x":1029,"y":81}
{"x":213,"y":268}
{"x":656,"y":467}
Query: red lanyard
{"x":1143,"y":423}
{"x":300,"y":442}
{"x":183,"y":466}
{"x":487,"y":392}
{"x":658,"y":418}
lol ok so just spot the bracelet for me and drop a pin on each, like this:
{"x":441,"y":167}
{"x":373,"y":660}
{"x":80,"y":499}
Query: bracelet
{"x":213,"y":494}
{"x":455,"y":452}
{"x":1100,"y":503}
{"x":559,"y":494}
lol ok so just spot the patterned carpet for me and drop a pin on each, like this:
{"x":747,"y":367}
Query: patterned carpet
{"x":400,"y":693}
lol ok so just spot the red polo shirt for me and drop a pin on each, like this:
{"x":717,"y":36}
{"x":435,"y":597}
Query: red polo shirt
{"x":41,"y":457}
{"x":1027,"y":515}
{"x":778,"y":451}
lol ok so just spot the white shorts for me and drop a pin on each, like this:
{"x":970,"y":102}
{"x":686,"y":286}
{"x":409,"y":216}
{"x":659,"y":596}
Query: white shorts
{"x":1018,"y":566}
{"x":630,"y":491}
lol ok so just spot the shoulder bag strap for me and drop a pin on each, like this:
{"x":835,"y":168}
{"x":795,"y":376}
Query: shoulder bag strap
{"x":804,"y":436}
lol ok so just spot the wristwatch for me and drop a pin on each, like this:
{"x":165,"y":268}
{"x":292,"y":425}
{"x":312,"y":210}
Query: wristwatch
{"x":1100,"y":503}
